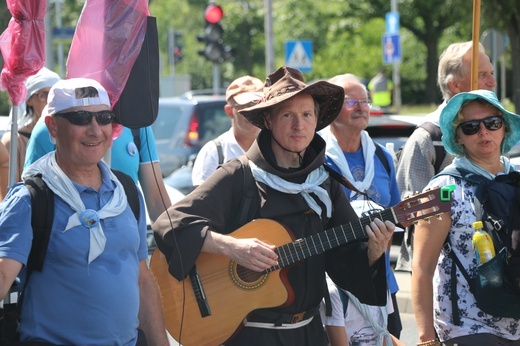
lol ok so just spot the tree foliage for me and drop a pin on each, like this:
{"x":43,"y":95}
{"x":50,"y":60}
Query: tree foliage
{"x":346,"y":36}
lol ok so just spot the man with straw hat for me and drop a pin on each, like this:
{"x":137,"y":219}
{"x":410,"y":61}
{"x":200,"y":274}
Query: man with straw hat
{"x":284,"y":168}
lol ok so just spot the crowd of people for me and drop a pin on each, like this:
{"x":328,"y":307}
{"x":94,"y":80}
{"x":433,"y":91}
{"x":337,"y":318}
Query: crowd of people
{"x":296,"y":153}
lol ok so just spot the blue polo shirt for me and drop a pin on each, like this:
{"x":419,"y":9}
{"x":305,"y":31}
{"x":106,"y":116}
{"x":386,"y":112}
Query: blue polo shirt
{"x":72,"y":302}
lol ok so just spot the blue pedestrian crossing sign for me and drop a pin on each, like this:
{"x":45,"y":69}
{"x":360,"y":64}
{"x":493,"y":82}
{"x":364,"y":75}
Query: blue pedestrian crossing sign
{"x":391,"y":48}
{"x":392,"y":22}
{"x":298,"y":54}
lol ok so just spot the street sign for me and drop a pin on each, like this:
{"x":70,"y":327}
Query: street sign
{"x":391,"y":48}
{"x":298,"y":54}
{"x":392,"y":22}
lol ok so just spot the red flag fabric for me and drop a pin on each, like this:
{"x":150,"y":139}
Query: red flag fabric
{"x":23,"y":46}
{"x":107,"y":42}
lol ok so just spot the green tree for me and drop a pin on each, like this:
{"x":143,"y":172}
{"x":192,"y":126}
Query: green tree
{"x":427,"y":20}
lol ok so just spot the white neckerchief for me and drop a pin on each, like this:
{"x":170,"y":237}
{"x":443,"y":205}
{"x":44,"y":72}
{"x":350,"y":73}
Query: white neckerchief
{"x":337,"y":156}
{"x":381,"y":330}
{"x":62,"y":186}
{"x":311,"y":184}
{"x":467,"y":164}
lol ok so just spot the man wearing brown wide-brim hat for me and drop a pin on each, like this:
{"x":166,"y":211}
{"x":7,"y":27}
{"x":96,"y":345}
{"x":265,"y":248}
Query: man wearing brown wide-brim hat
{"x":281,"y":178}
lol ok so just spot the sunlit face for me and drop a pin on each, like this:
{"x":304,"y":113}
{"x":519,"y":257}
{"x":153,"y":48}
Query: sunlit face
{"x":241,"y":124}
{"x":38,"y":101}
{"x":485,"y":143}
{"x":80,"y":145}
{"x":293,"y":123}
{"x":486,"y":74}
{"x":355,"y":112}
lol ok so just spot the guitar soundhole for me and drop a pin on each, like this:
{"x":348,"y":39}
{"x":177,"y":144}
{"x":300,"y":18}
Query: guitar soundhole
{"x":245,"y":278}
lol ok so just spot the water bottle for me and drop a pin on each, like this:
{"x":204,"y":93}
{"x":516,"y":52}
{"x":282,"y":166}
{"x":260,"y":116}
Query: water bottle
{"x":482,"y":243}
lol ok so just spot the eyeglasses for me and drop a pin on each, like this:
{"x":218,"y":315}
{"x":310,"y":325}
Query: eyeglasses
{"x":472,"y":127}
{"x":82,"y":118}
{"x":42,"y":95}
{"x":351,"y":103}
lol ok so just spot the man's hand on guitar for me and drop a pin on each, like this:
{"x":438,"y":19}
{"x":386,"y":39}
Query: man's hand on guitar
{"x":250,"y":253}
{"x":379,"y":234}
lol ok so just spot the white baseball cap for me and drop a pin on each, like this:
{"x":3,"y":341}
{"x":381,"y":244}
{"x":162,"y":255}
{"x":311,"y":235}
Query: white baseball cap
{"x":75,"y":92}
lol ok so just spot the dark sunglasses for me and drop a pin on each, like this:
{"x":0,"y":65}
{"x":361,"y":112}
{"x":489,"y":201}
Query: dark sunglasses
{"x":491,"y":123}
{"x":82,"y":118}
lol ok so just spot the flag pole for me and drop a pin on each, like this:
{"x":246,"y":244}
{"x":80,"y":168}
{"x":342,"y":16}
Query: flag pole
{"x":475,"y":50}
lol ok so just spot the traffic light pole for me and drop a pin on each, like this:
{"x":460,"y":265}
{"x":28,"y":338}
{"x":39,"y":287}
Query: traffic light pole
{"x":216,"y":78}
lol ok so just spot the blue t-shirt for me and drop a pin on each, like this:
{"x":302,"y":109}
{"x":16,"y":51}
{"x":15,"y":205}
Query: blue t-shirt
{"x":383,"y":190}
{"x":125,"y":157}
{"x":72,"y":302}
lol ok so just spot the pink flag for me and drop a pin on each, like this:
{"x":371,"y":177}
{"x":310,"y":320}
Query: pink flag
{"x":23,"y":46}
{"x":107,"y":41}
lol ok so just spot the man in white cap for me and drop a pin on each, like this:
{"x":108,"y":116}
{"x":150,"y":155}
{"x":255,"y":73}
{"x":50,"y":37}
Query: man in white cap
{"x":243,"y":92}
{"x":95,"y":287}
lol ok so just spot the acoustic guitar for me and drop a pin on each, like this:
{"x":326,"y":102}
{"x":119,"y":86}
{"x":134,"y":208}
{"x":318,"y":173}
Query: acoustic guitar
{"x":212,"y":303}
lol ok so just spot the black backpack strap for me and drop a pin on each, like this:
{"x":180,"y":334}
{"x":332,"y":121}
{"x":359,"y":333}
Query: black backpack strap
{"x":455,"y":263}
{"x":136,"y":133}
{"x":42,"y":216}
{"x":436,"y":136}
{"x":344,"y":299}
{"x":218,"y":144}
{"x":328,"y":304}
{"x":130,"y":190}
{"x":382,"y":157}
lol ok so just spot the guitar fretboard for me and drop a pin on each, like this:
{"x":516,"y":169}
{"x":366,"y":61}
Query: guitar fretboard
{"x":303,"y":248}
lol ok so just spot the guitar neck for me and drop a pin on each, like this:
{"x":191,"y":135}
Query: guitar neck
{"x":303,"y":248}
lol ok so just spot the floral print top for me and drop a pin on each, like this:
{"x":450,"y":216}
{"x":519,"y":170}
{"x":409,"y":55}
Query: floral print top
{"x":473,"y":320}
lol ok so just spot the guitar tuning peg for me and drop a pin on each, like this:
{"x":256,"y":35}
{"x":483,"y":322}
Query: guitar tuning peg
{"x":439,"y":216}
{"x":427,"y":219}
{"x":416,"y":222}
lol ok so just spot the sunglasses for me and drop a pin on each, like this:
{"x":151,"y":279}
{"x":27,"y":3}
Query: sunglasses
{"x":472,"y":127}
{"x":82,"y":118}
{"x":351,"y":103}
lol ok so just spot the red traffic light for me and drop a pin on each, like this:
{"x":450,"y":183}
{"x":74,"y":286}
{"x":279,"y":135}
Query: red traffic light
{"x":213,"y":14}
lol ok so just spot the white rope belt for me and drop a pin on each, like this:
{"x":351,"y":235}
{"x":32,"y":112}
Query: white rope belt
{"x":272,"y":326}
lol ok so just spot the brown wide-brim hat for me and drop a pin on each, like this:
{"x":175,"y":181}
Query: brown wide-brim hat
{"x":287,"y":82}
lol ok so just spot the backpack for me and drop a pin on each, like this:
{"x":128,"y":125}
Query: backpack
{"x":42,"y":216}
{"x":328,"y":304}
{"x":436,"y":135}
{"x":497,"y":285}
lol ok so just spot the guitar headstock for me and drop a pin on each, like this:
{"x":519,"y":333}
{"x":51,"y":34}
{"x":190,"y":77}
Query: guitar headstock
{"x":424,"y":206}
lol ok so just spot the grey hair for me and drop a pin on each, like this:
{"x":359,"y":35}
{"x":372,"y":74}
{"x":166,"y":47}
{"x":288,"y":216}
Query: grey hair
{"x":347,"y":80}
{"x":451,"y":65}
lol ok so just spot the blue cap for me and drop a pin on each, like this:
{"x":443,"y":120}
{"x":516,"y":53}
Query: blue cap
{"x":451,"y":110}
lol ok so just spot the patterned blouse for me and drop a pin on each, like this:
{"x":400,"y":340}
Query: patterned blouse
{"x":473,"y":320}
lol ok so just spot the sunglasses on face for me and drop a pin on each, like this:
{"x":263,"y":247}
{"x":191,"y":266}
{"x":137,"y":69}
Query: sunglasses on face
{"x":472,"y":127}
{"x":351,"y":103}
{"x":82,"y":118}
